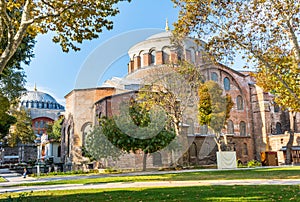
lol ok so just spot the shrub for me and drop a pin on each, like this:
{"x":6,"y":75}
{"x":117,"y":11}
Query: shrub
{"x":253,"y":163}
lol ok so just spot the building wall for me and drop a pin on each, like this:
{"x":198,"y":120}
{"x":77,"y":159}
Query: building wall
{"x":253,"y":108}
{"x":279,"y":141}
{"x":79,"y":112}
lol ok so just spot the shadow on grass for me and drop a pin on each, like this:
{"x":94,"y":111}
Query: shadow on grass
{"x":201,"y":193}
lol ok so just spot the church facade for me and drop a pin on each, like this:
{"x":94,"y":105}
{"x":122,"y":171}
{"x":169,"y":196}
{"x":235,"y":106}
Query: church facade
{"x":256,"y":124}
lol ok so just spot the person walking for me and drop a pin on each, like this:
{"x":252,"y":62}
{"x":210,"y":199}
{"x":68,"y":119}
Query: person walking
{"x":25,"y":172}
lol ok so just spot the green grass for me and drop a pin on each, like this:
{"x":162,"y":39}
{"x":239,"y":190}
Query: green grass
{"x":2,"y":179}
{"x":260,"y":173}
{"x":190,"y":194}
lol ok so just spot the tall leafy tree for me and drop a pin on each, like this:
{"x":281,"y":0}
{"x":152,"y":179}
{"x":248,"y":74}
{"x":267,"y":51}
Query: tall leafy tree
{"x":22,"y":131}
{"x":12,"y":81}
{"x":214,"y":108}
{"x":5,"y":118}
{"x":268,"y":80}
{"x":266,"y":33}
{"x":73,"y":21}
{"x":174,"y":88}
{"x":138,"y":129}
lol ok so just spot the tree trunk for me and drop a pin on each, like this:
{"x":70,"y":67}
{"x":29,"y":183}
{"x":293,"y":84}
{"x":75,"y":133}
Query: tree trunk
{"x":218,"y":142}
{"x":145,"y":161}
{"x":288,"y":159}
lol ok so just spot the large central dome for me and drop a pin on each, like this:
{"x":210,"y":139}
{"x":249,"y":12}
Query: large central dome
{"x":37,"y":99}
{"x":38,"y":96}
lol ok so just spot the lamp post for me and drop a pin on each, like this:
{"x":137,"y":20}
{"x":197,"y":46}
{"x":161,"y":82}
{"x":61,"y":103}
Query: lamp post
{"x":38,"y":144}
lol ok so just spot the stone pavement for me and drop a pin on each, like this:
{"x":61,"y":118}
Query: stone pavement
{"x":15,"y":179}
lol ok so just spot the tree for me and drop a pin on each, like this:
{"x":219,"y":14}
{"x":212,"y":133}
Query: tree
{"x":98,"y":147}
{"x":214,"y":108}
{"x":138,"y":128}
{"x":22,"y":130}
{"x":54,"y":130}
{"x":73,"y":21}
{"x":266,"y":33}
{"x":269,"y":82}
{"x":5,"y":119}
{"x":12,"y":81}
{"x":173,"y":88}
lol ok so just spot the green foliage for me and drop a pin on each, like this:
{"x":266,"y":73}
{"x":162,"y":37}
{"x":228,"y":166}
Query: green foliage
{"x":130,"y":137}
{"x":253,"y":163}
{"x":97,"y":146}
{"x":5,"y":118}
{"x":54,"y":130}
{"x":22,"y":130}
{"x":12,"y":79}
{"x":214,"y":108}
{"x":68,"y":173}
{"x":264,"y":32}
{"x":286,"y":67}
{"x":205,"y":106}
{"x":71,"y":21}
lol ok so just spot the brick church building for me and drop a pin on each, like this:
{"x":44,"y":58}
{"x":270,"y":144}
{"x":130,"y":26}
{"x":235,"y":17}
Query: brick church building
{"x":256,"y":124}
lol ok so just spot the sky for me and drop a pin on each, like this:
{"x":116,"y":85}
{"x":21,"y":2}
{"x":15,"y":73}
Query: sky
{"x":56,"y":72}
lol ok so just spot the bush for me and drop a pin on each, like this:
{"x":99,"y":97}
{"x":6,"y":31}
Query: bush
{"x":253,"y":163}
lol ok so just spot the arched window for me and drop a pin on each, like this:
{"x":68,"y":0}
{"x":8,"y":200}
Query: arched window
{"x":239,"y":102}
{"x":245,"y":149}
{"x":190,"y":122}
{"x":278,"y":128}
{"x":157,"y":161}
{"x":230,"y":127}
{"x":214,"y":76}
{"x":152,"y":57}
{"x":69,"y":141}
{"x":86,"y":129}
{"x":142,"y":58}
{"x":242,"y":128}
{"x":36,"y":124}
{"x":193,"y":55}
{"x":193,"y":153}
{"x":166,"y":55}
{"x":226,"y":83}
{"x":59,"y":151}
{"x":42,"y":124}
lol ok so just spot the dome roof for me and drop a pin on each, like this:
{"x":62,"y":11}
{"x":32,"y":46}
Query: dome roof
{"x":166,"y":34}
{"x":37,"y":99}
{"x":37,"y":96}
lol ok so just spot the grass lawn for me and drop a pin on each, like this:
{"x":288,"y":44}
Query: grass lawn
{"x":260,"y":173}
{"x":201,"y":193}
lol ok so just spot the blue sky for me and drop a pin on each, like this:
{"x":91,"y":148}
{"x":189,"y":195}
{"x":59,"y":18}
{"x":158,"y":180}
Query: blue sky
{"x":55,"y":72}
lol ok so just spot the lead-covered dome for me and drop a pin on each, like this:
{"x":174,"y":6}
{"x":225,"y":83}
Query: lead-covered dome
{"x":41,"y":100}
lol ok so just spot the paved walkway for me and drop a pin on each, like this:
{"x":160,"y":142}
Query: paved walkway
{"x":15,"y":179}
